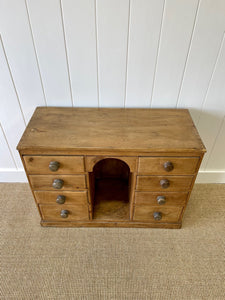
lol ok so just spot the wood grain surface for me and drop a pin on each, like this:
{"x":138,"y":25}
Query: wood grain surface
{"x":49,"y":197}
{"x":60,"y":128}
{"x":150,"y":198}
{"x":76,"y":212}
{"x":152,"y":183}
{"x":145,"y":213}
{"x":67,"y":164}
{"x":154,"y":165}
{"x":44,"y":182}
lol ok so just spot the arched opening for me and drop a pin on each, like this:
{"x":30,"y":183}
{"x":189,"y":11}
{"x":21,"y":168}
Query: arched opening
{"x":110,"y":189}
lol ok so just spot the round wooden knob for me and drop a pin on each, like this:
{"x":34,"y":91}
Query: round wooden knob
{"x":168,"y":166}
{"x":164,"y":183}
{"x":157,"y":215}
{"x":54,"y":166}
{"x":64,"y":213}
{"x":60,"y":199}
{"x":161,"y":200}
{"x":58,"y":184}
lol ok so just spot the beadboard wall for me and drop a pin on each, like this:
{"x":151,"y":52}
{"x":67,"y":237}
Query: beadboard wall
{"x":113,"y":53}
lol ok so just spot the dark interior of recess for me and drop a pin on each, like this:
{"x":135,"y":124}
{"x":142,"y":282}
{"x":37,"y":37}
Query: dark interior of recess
{"x":110,"y":189}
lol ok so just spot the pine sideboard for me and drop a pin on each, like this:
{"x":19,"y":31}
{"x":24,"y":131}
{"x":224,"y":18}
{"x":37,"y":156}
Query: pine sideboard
{"x":90,"y":167}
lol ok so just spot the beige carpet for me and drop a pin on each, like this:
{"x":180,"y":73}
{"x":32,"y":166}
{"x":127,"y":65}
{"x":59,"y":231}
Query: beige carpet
{"x":112,"y":263}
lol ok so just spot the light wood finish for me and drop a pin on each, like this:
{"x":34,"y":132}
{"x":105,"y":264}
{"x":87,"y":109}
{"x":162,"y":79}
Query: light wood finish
{"x":52,"y":212}
{"x":44,"y":182}
{"x":90,"y":161}
{"x":152,"y":183}
{"x":91,"y":192}
{"x":150,"y":198}
{"x":159,"y":130}
{"x":49,"y":197}
{"x":192,"y":185}
{"x":145,"y":213}
{"x":109,"y":153}
{"x":101,"y":223}
{"x":132,"y":184}
{"x":110,"y":165}
{"x":67,"y":164}
{"x":111,"y":200}
{"x":155,"y":165}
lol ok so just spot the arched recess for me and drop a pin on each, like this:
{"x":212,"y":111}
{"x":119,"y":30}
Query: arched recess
{"x":110,"y":189}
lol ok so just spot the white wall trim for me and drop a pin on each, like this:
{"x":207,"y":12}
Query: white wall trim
{"x":211,"y":177}
{"x":12,"y":175}
{"x":18,"y":175}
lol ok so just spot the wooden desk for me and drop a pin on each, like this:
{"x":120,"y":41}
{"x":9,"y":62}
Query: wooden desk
{"x":111,"y":167}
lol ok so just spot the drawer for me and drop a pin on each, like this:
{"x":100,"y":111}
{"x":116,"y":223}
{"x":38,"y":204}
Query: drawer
{"x":154,"y":183}
{"x":69,"y":182}
{"x":160,"y":199}
{"x":50,"y":197}
{"x":59,"y":164}
{"x":146,"y":213}
{"x":53,"y":212}
{"x":168,"y":165}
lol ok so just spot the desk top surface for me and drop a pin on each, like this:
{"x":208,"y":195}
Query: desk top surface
{"x":148,"y":130}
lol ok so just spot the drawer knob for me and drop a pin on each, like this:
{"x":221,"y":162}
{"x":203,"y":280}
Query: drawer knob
{"x":168,"y":166}
{"x":54,"y":166}
{"x":164,"y":183}
{"x":64,"y":213}
{"x":161,"y":200}
{"x":58,"y":184}
{"x":157,"y":215}
{"x":60,"y":199}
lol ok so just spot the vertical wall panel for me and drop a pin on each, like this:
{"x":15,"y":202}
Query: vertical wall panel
{"x":80,"y":32}
{"x":20,"y":52}
{"x":145,"y":24}
{"x":214,"y":107}
{"x":217,"y":157}
{"x":176,"y":34}
{"x":11,"y":117}
{"x":46,"y":24}
{"x":203,"y":53}
{"x":6,"y":160}
{"x":112,"y":34}
{"x":111,"y":53}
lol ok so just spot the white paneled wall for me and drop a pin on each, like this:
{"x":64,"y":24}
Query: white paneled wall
{"x":113,"y":53}
{"x":47,"y":33}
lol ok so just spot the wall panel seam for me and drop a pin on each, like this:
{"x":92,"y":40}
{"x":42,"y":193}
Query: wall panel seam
{"x":128,"y":40}
{"x":10,"y":151}
{"x":66,"y":52}
{"x":211,"y":77}
{"x":96,"y":45}
{"x":158,"y":50}
{"x":14,"y":86}
{"x":188,"y":52}
{"x":214,"y":143}
{"x":35,"y":52}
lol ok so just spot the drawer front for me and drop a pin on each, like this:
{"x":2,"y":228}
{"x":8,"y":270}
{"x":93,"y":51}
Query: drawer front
{"x":154,"y":183}
{"x":69,"y":182}
{"x":168,"y":165}
{"x":146,"y":213}
{"x":46,"y":164}
{"x":61,"y":198}
{"x":160,"y":199}
{"x":53,"y":212}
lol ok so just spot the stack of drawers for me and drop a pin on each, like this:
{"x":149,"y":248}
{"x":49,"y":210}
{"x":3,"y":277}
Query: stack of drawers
{"x":162,"y":188}
{"x":59,"y":186}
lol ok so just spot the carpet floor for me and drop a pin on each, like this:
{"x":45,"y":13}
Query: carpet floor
{"x":113,"y":263}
